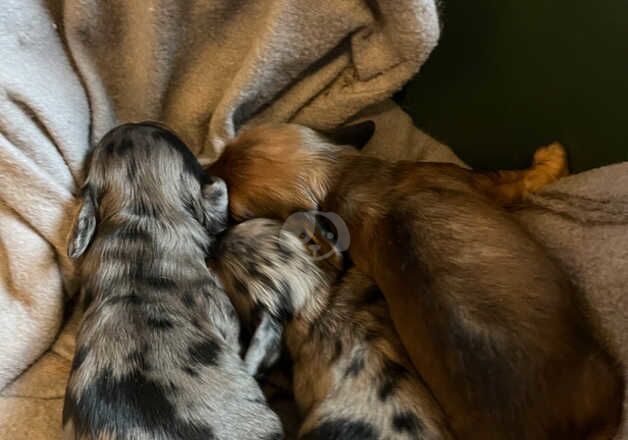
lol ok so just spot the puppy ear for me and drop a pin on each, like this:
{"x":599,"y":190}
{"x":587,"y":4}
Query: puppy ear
{"x":265,"y":347}
{"x":356,"y":135}
{"x":84,"y":226}
{"x":215,"y":205}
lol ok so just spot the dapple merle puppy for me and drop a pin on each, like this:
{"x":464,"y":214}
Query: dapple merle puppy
{"x":352,"y":377}
{"x":157,"y":353}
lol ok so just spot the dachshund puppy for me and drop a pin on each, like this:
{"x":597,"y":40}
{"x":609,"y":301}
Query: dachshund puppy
{"x":352,"y":378}
{"x":494,"y":328}
{"x":157,"y":352}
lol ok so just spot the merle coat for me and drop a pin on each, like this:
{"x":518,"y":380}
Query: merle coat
{"x":157,"y":352}
{"x":352,"y":378}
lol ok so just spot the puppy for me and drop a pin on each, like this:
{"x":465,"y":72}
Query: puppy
{"x":157,"y":352}
{"x":494,"y":328}
{"x":352,"y":378}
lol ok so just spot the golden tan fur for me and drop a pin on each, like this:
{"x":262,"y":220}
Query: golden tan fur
{"x":487,"y":318}
{"x":250,"y":158}
{"x":513,"y":186}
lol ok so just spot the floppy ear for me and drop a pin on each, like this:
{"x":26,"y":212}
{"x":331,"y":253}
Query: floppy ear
{"x":356,"y":135}
{"x":83,"y":227}
{"x":265,"y":347}
{"x":215,"y":205}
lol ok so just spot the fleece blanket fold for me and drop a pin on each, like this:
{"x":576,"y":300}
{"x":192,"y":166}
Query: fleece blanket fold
{"x":72,"y":69}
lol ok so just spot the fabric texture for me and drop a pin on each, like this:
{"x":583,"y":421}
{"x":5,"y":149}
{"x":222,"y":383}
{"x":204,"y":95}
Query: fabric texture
{"x":72,"y":69}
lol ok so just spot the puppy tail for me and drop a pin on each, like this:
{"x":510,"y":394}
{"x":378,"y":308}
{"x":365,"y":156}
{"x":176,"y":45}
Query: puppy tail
{"x":509,"y":187}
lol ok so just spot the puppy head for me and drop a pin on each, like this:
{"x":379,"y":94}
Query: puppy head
{"x":144,"y":170}
{"x":271,"y":280}
{"x":275,"y":170}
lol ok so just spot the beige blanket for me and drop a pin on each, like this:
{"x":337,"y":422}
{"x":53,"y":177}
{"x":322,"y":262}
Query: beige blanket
{"x":71,"y":69}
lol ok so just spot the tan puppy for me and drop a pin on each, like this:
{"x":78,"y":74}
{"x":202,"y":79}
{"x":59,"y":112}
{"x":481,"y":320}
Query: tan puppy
{"x":488,"y":320}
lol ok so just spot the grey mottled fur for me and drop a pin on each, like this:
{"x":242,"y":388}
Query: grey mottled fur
{"x":157,"y":353}
{"x":352,"y":378}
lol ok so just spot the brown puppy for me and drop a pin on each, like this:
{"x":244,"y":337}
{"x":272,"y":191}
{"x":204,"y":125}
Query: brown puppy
{"x":489,"y":321}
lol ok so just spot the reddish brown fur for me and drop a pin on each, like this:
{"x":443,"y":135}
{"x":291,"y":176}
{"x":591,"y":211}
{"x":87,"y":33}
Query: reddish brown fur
{"x":257,"y":165}
{"x":489,"y":321}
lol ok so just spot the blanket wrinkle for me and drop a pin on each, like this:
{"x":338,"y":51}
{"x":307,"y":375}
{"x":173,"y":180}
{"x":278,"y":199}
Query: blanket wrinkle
{"x":581,"y":210}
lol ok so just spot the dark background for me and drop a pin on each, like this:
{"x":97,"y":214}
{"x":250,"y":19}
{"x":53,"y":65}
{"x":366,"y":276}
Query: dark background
{"x":511,"y":75}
